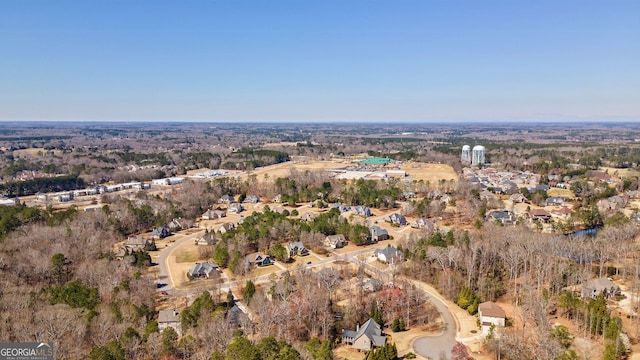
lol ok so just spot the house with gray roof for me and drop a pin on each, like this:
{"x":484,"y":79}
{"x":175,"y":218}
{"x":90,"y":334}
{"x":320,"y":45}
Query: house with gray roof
{"x":169,"y":318}
{"x":253,"y":199}
{"x":365,"y":337}
{"x":296,"y":249}
{"x":362,"y":211}
{"x":160,"y":232}
{"x":227,"y":199}
{"x":505,"y":217}
{"x":213,"y":214}
{"x":342,"y":208}
{"x":204,"y":269}
{"x":423,"y":223}
{"x":335,"y":241}
{"x":235,"y":208}
{"x":388,"y":255}
{"x":599,"y":286}
{"x":396,"y":218}
{"x":378,"y":233}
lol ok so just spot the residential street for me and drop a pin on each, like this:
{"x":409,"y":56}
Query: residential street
{"x":460,"y":327}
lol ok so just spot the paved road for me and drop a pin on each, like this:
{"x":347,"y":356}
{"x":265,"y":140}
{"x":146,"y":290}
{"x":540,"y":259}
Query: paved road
{"x":431,"y":347}
{"x":163,"y":264}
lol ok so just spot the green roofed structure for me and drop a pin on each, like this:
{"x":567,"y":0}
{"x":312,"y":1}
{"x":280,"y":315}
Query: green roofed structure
{"x":376,"y":161}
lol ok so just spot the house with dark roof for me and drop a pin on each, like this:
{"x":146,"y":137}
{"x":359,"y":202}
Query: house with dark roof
{"x":365,"y":337}
{"x":599,"y":286}
{"x":503,"y":216}
{"x":362,"y":211}
{"x":396,"y":218}
{"x":205,"y":269}
{"x":160,"y":232}
{"x":491,"y":315}
{"x":378,"y":233}
{"x":258,"y":259}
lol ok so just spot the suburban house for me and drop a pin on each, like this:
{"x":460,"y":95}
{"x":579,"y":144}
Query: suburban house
{"x":181,"y":224}
{"x":388,"y":255}
{"x":408,"y":194}
{"x":371,"y":285}
{"x":227,"y":199}
{"x":160,"y":232}
{"x":554,"y":201}
{"x":134,"y":243}
{"x":599,"y":286}
{"x":505,"y":217}
{"x":253,"y":199}
{"x":378,"y":233}
{"x":490,"y":314}
{"x":310,"y":216}
{"x":365,"y":337}
{"x":396,"y":218}
{"x":296,"y":249}
{"x":258,"y":259}
{"x":563,"y":213}
{"x":540,"y":215}
{"x":335,"y":241}
{"x":342,"y":208}
{"x":235,"y":208}
{"x":518,"y":198}
{"x":362,"y":211}
{"x":169,"y":318}
{"x":204,"y":269}
{"x":213,"y":214}
{"x":423,"y":223}
{"x":225,"y":227}
{"x":209,"y":238}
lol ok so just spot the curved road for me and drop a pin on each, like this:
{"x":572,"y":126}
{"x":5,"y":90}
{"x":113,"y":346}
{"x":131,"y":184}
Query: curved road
{"x":431,"y":347}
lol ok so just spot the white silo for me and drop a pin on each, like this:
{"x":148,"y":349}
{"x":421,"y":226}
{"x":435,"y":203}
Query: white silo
{"x":466,"y":154}
{"x":477,"y":155}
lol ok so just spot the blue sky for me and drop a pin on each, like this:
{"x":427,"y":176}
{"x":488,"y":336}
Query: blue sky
{"x":343,"y":60}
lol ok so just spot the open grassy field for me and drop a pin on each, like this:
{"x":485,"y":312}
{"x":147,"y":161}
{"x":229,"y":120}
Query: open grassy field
{"x":34,"y":152}
{"x":561,"y":193}
{"x":419,"y":171}
{"x":623,"y":173}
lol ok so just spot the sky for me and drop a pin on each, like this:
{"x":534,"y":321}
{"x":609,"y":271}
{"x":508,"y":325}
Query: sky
{"x":320,"y":61}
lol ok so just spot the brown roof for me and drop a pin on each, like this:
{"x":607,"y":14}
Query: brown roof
{"x":491,"y":309}
{"x":539,"y":212}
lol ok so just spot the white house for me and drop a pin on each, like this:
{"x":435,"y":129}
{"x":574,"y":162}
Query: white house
{"x":490,"y":314}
